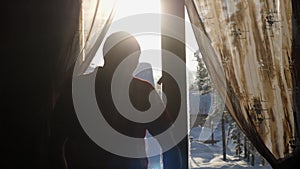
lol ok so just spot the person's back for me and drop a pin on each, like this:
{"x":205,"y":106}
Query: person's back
{"x":120,"y":123}
{"x":121,"y":55}
{"x":71,"y":146}
{"x":116,"y":49}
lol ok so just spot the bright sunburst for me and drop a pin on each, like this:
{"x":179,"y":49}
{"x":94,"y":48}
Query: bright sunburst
{"x":132,"y":7}
{"x":127,"y":8}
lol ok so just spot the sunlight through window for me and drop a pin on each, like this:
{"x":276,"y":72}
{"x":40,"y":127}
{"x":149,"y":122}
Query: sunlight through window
{"x":126,"y":8}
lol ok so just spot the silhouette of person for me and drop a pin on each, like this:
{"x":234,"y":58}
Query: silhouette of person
{"x":70,"y":145}
{"x":118,"y":47}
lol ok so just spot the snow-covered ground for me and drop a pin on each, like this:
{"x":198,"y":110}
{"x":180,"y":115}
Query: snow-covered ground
{"x":207,"y":156}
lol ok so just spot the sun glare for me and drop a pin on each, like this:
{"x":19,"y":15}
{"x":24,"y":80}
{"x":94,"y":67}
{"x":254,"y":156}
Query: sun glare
{"x":126,"y":8}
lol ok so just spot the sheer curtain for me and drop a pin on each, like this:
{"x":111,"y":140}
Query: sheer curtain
{"x":249,"y":43}
{"x":88,"y":25}
{"x":92,"y":22}
{"x":96,"y":18}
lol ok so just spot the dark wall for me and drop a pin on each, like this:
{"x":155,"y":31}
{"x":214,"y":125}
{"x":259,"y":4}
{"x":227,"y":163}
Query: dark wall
{"x":296,"y":59}
{"x":36,"y":34}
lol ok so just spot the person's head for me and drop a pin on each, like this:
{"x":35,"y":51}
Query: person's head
{"x":117,"y":47}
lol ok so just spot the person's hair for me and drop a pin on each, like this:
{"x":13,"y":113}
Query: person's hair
{"x":118,"y":46}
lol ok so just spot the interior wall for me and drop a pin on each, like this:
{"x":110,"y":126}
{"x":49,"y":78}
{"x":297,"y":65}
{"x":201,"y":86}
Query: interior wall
{"x":35,"y":34}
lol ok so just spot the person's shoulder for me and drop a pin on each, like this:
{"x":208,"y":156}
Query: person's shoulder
{"x":89,"y":74}
{"x":142,"y":82}
{"x":98,"y":71}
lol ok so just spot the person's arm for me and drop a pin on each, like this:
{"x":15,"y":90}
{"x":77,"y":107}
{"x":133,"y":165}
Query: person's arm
{"x":172,"y":158}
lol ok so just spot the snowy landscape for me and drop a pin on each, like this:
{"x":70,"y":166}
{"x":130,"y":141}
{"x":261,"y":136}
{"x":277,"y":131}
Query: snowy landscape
{"x":210,"y":156}
{"x":207,"y":156}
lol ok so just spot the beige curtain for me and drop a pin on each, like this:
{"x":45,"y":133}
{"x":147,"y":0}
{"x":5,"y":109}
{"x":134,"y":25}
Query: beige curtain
{"x":251,"y":43}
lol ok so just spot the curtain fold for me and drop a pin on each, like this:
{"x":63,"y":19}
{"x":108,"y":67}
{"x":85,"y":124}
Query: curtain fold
{"x":92,"y":20}
{"x":251,"y":44}
{"x":95,"y":28}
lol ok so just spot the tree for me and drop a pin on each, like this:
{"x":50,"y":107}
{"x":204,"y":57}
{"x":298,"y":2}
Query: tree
{"x":203,"y":80}
{"x":236,"y":135}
